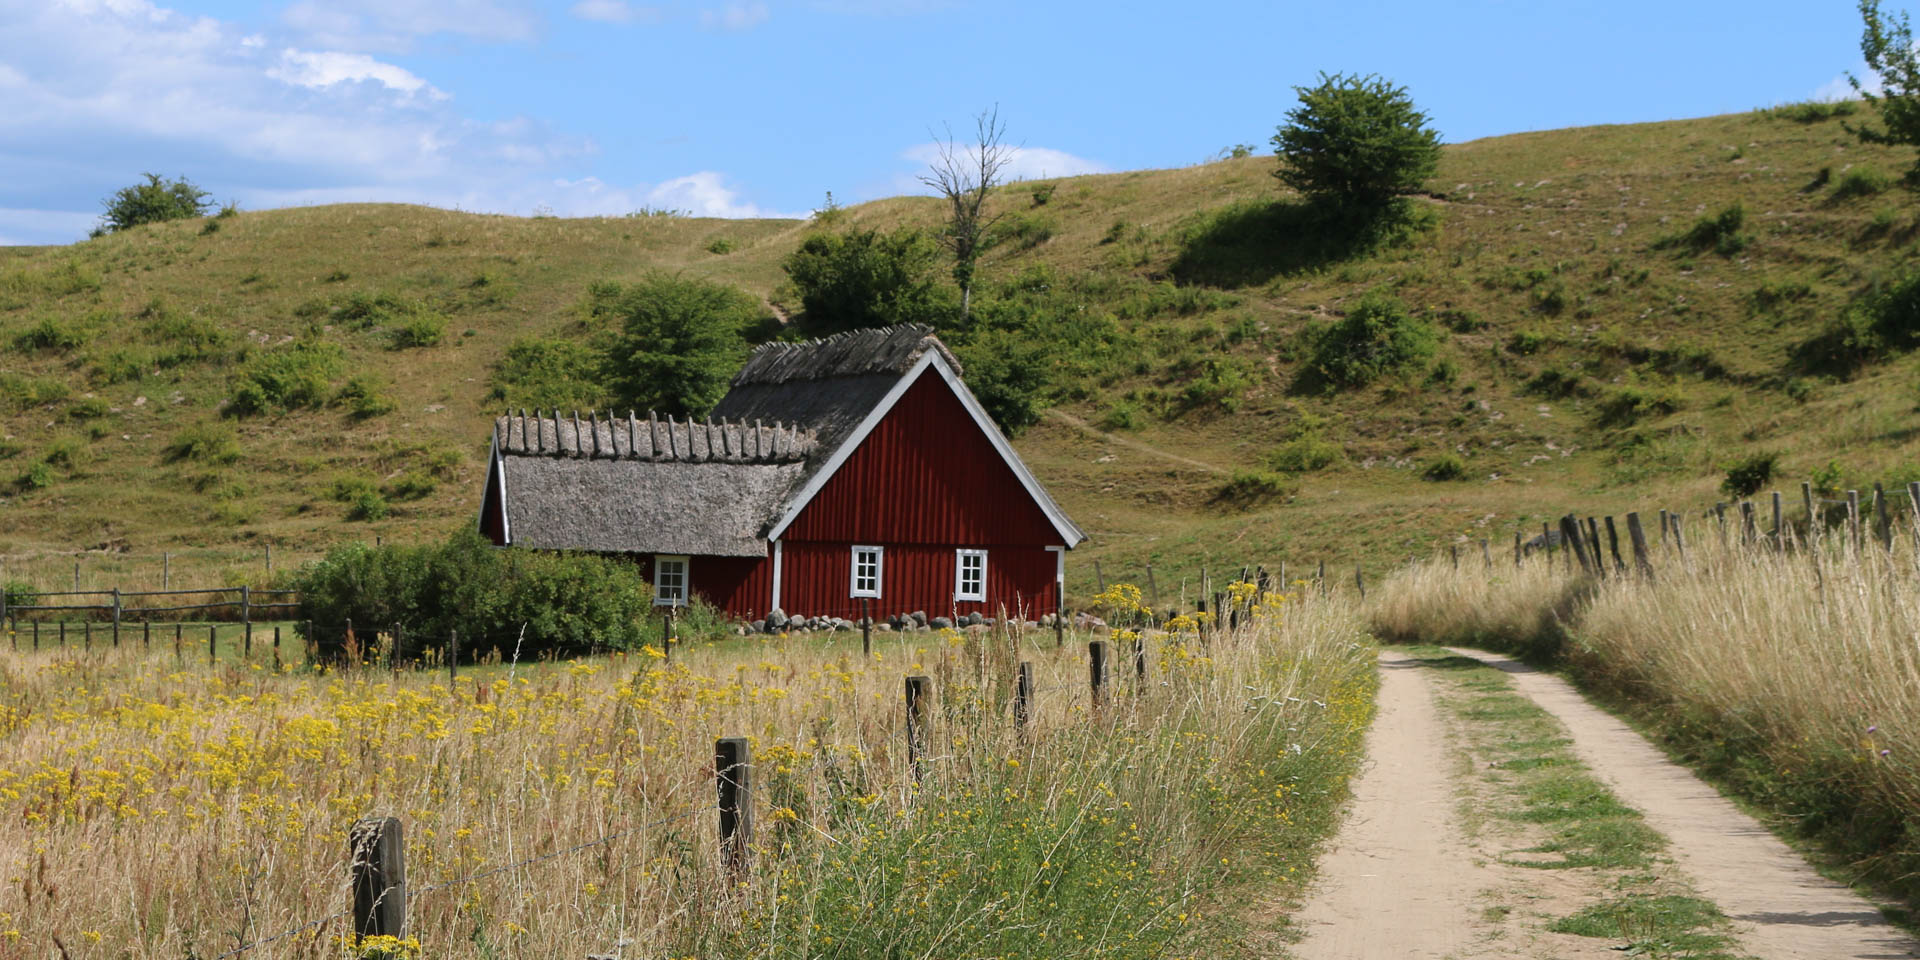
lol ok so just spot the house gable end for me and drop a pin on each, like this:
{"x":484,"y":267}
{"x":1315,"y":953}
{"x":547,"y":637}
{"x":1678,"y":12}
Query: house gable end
{"x":927,"y":467}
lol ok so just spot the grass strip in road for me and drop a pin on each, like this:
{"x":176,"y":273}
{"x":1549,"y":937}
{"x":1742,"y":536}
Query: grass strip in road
{"x":1528,"y":776}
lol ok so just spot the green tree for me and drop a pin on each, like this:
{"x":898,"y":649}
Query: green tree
{"x":1886,"y":43}
{"x":1358,"y":141}
{"x":864,"y":278}
{"x":676,"y":341}
{"x":152,"y":202}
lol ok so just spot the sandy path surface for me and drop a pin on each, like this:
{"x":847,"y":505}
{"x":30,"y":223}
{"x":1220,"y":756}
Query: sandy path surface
{"x":1400,"y":880}
{"x":1782,"y":909}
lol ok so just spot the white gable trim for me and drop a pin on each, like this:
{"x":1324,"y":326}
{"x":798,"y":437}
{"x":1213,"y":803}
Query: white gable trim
{"x":1070,"y":535}
{"x":497,"y":465}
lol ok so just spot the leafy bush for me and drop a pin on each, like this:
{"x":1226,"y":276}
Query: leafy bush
{"x":1378,"y":337}
{"x":1444,"y":468}
{"x":289,"y":378}
{"x":204,"y":443}
{"x":69,"y":452}
{"x":568,"y":603}
{"x":864,"y":278}
{"x":121,"y":366}
{"x":1747,"y":475}
{"x":419,"y":328}
{"x":90,"y":408}
{"x":155,"y":201}
{"x":363,"y":398}
{"x":676,"y":340}
{"x":24,"y":393}
{"x":1123,"y":415}
{"x":1719,"y":233}
{"x":1812,"y":111}
{"x":1305,"y":450}
{"x":721,"y":246}
{"x":1883,"y":320}
{"x":362,"y":497}
{"x":48,"y":334}
{"x":1629,"y":405}
{"x":1007,"y":373}
{"x":1247,"y":488}
{"x":412,"y":486}
{"x":550,"y":373}
{"x":1043,"y":192}
{"x":1860,"y":182}
{"x":193,"y":337}
{"x":37,"y":476}
{"x":1022,"y":231}
{"x":1358,"y":140}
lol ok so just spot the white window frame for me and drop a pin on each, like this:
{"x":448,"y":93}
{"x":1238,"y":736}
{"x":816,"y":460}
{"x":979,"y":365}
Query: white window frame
{"x":661,"y":599}
{"x":879,"y":555}
{"x":960,"y":591}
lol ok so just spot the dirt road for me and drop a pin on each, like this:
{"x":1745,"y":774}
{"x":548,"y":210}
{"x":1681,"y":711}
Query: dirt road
{"x":1407,"y":877}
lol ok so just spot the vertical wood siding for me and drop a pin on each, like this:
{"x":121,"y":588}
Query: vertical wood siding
{"x":742,"y":586}
{"x":818,"y":577}
{"x":924,"y":475}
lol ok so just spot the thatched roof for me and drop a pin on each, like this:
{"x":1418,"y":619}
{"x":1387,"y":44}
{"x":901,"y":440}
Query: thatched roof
{"x":889,"y":350}
{"x":644,"y":506}
{"x":631,"y":438}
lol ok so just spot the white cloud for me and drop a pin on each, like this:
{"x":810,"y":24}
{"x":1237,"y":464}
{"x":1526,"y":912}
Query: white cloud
{"x":706,"y":194}
{"x":394,"y":25}
{"x":1839,"y":89}
{"x":321,"y":69}
{"x":616,"y":11}
{"x":735,"y":16}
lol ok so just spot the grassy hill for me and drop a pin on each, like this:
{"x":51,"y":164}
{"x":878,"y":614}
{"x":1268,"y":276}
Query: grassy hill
{"x":1598,"y":348}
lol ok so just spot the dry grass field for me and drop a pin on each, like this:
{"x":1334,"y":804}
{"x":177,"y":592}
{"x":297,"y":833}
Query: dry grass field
{"x":160,"y":809}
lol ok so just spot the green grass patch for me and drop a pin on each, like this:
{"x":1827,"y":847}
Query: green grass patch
{"x":1655,"y":925}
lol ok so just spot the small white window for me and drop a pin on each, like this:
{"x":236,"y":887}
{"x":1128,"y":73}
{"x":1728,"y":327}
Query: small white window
{"x":970,"y":575}
{"x":669,"y":581}
{"x":866,"y":572}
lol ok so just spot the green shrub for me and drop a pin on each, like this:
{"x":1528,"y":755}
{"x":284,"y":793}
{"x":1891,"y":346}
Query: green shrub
{"x":1526,"y":343}
{"x":121,"y":366}
{"x":412,"y":486}
{"x":567,"y":603}
{"x":1555,"y":383}
{"x":1747,"y":475}
{"x":363,"y":398}
{"x":1860,"y":181}
{"x":864,"y":278}
{"x":1444,"y":468}
{"x":1305,"y":450}
{"x":1377,"y":338}
{"x":550,"y":373}
{"x":90,"y":408}
{"x":1042,"y":193}
{"x":48,"y":333}
{"x":1719,"y":233}
{"x":1357,"y":140}
{"x":362,"y":497}
{"x":722,"y":246}
{"x":192,"y":337}
{"x":1221,"y":384}
{"x":287,"y":378}
{"x":675,"y":341}
{"x":155,"y":201}
{"x":1123,"y":415}
{"x":204,"y":443}
{"x":1007,"y":373}
{"x":68,"y":452}
{"x":1246,"y":488}
{"x":1022,"y":231}
{"x":1812,"y":111}
{"x":37,"y":476}
{"x":25,"y":393}
{"x":1629,"y":405}
{"x":1883,"y":320}
{"x":419,"y":328}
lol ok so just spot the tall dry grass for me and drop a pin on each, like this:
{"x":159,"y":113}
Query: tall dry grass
{"x":1793,"y":674}
{"x":155,"y":811}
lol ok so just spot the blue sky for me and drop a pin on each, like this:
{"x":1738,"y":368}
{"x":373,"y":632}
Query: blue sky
{"x":759,"y":107}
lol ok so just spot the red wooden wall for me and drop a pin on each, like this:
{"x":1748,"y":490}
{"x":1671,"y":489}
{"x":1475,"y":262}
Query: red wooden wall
{"x":739,"y":585}
{"x":815,"y":580}
{"x":926,"y":474}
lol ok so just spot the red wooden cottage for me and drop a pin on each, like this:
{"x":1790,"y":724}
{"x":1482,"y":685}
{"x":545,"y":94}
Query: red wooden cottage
{"x":853,"y":468}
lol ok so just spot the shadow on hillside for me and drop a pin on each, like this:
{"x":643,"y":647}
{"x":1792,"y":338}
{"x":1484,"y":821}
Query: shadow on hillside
{"x":1252,"y":242}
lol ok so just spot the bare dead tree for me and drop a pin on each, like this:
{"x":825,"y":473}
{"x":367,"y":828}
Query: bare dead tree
{"x":964,"y":175}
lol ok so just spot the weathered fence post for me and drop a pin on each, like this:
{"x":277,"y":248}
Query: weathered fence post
{"x":1639,"y":539}
{"x":1139,"y":662}
{"x":36,"y":636}
{"x":733,"y":775}
{"x":76,"y":576}
{"x":1593,"y":547}
{"x":116,"y":616}
{"x":1913,"y":496}
{"x":1679,"y":542}
{"x":1570,"y":536}
{"x":177,"y":649}
{"x":146,"y":634}
{"x":1883,"y":522}
{"x":1749,"y":528}
{"x":453,"y":657}
{"x":1099,"y":578}
{"x":269,"y":559}
{"x":1778,"y":540}
{"x":1023,"y":694}
{"x":1516,"y":549}
{"x":1613,"y":547}
{"x":211,"y":657}
{"x":1486,"y":552}
{"x":63,"y":635}
{"x":1806,"y":499}
{"x":1097,"y":670}
{"x":276,"y":649}
{"x":377,"y":860}
{"x":1663,"y":526}
{"x":246,"y":622}
{"x":866,"y":626}
{"x":916,"y":721}
{"x":166,"y":571}
{"x":666,"y":633}
{"x":1453,"y":553}
{"x":1360,"y":580}
{"x":86,"y":634}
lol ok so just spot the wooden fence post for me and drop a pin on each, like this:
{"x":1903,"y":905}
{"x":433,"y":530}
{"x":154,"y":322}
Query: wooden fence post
{"x":1570,"y":536}
{"x":146,"y":634}
{"x":1639,"y":539}
{"x":1663,"y":526}
{"x":1883,"y":522}
{"x":166,"y":571}
{"x":116,"y":616}
{"x":1913,"y":496}
{"x":63,"y":634}
{"x":1486,"y":552}
{"x":1679,"y":542}
{"x":1097,"y":670}
{"x":916,"y":721}
{"x":453,"y":657}
{"x":1139,"y":662}
{"x":866,"y":626}
{"x":1806,"y":499}
{"x":1749,"y":528}
{"x":1453,"y":553}
{"x":1516,"y":549}
{"x":1593,"y":547}
{"x":1775,"y":535}
{"x":1360,"y":580}
{"x":276,"y":649}
{"x":1098,"y":577}
{"x":36,"y":636}
{"x":1613,"y":547}
{"x":377,"y":860}
{"x":86,"y":634}
{"x":211,"y":658}
{"x":177,"y":651}
{"x":733,"y":775}
{"x":666,"y":633}
{"x":246,"y":622}
{"x":76,"y":576}
{"x":1023,"y":695}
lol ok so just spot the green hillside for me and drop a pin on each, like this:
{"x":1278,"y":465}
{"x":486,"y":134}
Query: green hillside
{"x":1592,"y":353}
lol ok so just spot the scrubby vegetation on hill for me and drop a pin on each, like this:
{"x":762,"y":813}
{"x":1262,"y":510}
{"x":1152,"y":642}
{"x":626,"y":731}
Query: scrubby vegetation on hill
{"x":1595,"y":315}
